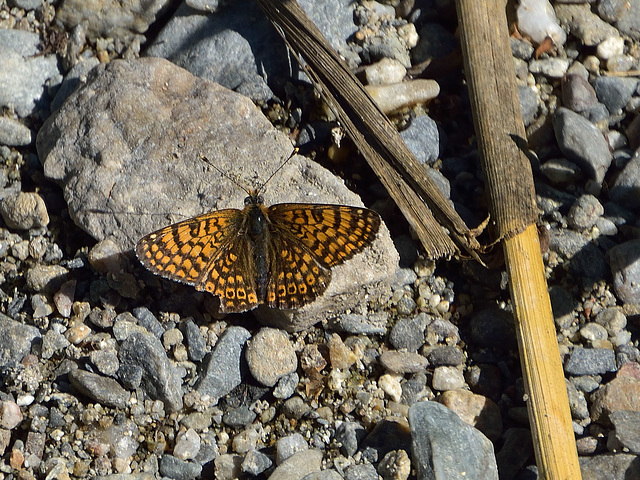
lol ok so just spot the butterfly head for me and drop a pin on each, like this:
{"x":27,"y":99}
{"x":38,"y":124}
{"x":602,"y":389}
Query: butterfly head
{"x":254,"y":198}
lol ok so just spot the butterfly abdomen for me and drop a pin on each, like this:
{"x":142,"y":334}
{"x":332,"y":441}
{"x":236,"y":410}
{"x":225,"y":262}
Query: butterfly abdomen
{"x":257,"y":231}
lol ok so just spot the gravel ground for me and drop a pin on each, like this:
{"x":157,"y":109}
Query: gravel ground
{"x":108,"y":371}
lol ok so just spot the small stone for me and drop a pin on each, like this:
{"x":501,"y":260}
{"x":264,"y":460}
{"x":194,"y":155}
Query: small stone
{"x":171,"y":338}
{"x":577,"y":93}
{"x":447,"y":378}
{"x":610,"y":47}
{"x":41,"y":306}
{"x":341,"y":357}
{"x":63,"y":298}
{"x":592,"y":332}
{"x":384,"y":72}
{"x":270,"y":356}
{"x":403,"y":362}
{"x":621,"y":393}
{"x":13,"y":133}
{"x":298,"y":465}
{"x":295,"y":407}
{"x":390,"y":384}
{"x":46,"y":278}
{"x":390,"y":98}
{"x":615,"y":92}
{"x":77,"y":333}
{"x":10,"y":415}
{"x":590,"y":361}
{"x":395,"y":465}
{"x":288,"y":446}
{"x":553,"y":67}
{"x":624,"y":260}
{"x":187,"y":445}
{"x":584,"y":212}
{"x":24,"y":211}
{"x":245,"y":441}
{"x":612,"y":319}
{"x":407,"y":334}
{"x":177,"y":469}
{"x":626,"y":435}
{"x":536,"y":19}
{"x":255,"y":463}
{"x":101,"y":389}
{"x":286,"y":386}
{"x":476,"y":410}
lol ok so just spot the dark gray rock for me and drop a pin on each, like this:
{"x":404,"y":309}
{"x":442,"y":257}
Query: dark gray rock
{"x":586,"y":261}
{"x":221,"y":370}
{"x":363,"y":471}
{"x":580,"y":141}
{"x":590,"y":361}
{"x":493,"y":328}
{"x":627,"y":431}
{"x":438,"y":436}
{"x":103,"y":390}
{"x":423,"y":139}
{"x":148,"y":320}
{"x":624,"y":260}
{"x":160,"y":379}
{"x":407,"y":334}
{"x":621,"y":466}
{"x":16,"y":340}
{"x":195,"y":341}
{"x":528,"y":104}
{"x":177,"y":469}
{"x":577,"y":93}
{"x":349,"y":435}
{"x":584,"y":213}
{"x":614,"y":92}
{"x":625,"y":190}
{"x":516,"y":450}
{"x":447,"y":355}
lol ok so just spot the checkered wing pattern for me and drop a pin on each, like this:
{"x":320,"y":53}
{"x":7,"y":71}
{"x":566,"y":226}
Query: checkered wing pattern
{"x":208,"y":253}
{"x":306,"y":240}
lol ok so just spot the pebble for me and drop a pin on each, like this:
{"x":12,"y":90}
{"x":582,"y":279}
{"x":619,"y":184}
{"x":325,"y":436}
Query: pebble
{"x":590,"y":361}
{"x":24,"y":211}
{"x":78,"y":333}
{"x":228,"y":466}
{"x":286,"y":386}
{"x":536,"y":19}
{"x":577,"y":402}
{"x":221,"y":368}
{"x":586,"y":261}
{"x":374,"y":324}
{"x":627,"y":184}
{"x":447,"y":378}
{"x":160,"y":379}
{"x":395,"y":465}
{"x":390,"y":384}
{"x":560,"y":171}
{"x":577,"y":93}
{"x":15,"y":341}
{"x":298,"y":465}
{"x":407,"y":334}
{"x":615,"y":92}
{"x":63,"y":298}
{"x":10,"y":415}
{"x":255,"y":462}
{"x":177,"y":469}
{"x":101,"y":389}
{"x":528,"y":104}
{"x":403,"y":362}
{"x":295,"y":407}
{"x":612,"y":319}
{"x":475,"y":410}
{"x":147,"y":320}
{"x":592,"y":332}
{"x":582,"y":143}
{"x":24,"y":71}
{"x":584,"y":24}
{"x":610,"y":47}
{"x":384,"y":72}
{"x":14,"y":133}
{"x":584,"y":213}
{"x":398,"y":96}
{"x":238,"y":417}
{"x":52,"y":343}
{"x":553,"y":67}
{"x":362,"y":471}
{"x":349,"y":435}
{"x":270,"y":356}
{"x":513,"y":455}
{"x":629,"y":21}
{"x":433,"y":447}
{"x":341,"y":357}
{"x":423,"y":139}
{"x":626,"y":434}
{"x":196,"y":343}
{"x":46,"y":278}
{"x":624,"y":260}
{"x":445,"y":355}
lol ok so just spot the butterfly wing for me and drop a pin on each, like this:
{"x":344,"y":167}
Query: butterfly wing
{"x":306,"y":240}
{"x":206,"y":252}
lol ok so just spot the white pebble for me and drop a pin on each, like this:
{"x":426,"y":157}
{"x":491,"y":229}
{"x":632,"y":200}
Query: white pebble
{"x":390,"y":384}
{"x":385,"y":72}
{"x":537,"y":19}
{"x":610,"y":47}
{"x":390,"y":98}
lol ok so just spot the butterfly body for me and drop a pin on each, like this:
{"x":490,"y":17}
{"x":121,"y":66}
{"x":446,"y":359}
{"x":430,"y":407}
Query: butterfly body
{"x":280,"y":255}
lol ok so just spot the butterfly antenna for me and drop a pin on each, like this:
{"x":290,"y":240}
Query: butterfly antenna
{"x":295,"y":150}
{"x":225,"y":174}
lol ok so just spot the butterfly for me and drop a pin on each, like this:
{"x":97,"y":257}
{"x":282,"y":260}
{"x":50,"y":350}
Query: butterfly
{"x":280,"y":256}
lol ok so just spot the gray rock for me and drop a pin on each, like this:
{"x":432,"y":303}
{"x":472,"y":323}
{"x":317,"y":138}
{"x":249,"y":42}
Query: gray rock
{"x":528,"y":104}
{"x":148,"y":320}
{"x":584,"y":213}
{"x":195,"y":341}
{"x":438,"y":435}
{"x":76,"y":77}
{"x":615,"y":92}
{"x":238,"y":417}
{"x":563,"y":306}
{"x":298,"y":465}
{"x":586,"y":262}
{"x":629,"y":22}
{"x":552,"y":67}
{"x":323,"y":475}
{"x":521,"y":49}
{"x":46,"y":278}
{"x":13,"y":133}
{"x":177,"y":469}
{"x":221,"y":368}
{"x":103,"y":390}
{"x":584,"y":24}
{"x":403,"y":362}
{"x":24,"y":72}
{"x":582,"y":143}
{"x":25,"y":4}
{"x":286,"y":386}
{"x":516,"y":450}
{"x":591,"y":361}
{"x":123,"y":21}
{"x":407,"y":334}
{"x":363,"y":471}
{"x":16,"y":341}
{"x":375,"y":324}
{"x":577,"y":93}
{"x":270,"y":356}
{"x":108,"y":147}
{"x":577,"y":402}
{"x":624,"y":260}
{"x":289,"y":445}
{"x":423,"y":139}
{"x":624,"y":190}
{"x":627,"y":431}
{"x":621,"y":466}
{"x":349,"y":435}
{"x":255,"y":463}
{"x":52,"y":342}
{"x":160,"y":379}
{"x":295,"y":407}
{"x":446,"y":355}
